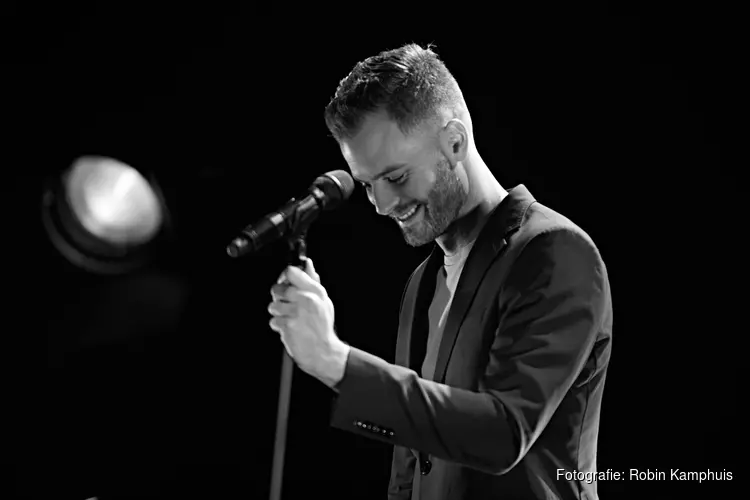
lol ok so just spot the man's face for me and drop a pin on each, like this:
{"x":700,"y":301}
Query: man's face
{"x":407,"y":178}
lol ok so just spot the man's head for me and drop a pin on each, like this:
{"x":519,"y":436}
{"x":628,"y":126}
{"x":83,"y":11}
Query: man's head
{"x":404,"y":130}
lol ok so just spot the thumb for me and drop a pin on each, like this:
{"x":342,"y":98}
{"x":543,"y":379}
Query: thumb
{"x":310,"y":269}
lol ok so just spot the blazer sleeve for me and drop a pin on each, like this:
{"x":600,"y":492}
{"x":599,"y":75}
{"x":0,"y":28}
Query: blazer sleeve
{"x":550,"y":310}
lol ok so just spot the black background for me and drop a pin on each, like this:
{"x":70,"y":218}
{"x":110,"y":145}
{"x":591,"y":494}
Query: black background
{"x":163,"y":383}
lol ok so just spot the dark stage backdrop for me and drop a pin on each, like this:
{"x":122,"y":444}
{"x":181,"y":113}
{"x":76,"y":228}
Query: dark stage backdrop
{"x":163,"y":383}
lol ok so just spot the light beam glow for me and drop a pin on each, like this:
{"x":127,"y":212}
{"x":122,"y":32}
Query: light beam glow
{"x":113,"y":201}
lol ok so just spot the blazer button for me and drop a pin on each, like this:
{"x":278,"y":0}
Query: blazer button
{"x":426,"y":467}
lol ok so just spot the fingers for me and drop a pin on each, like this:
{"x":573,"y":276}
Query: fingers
{"x":286,"y":292}
{"x":275,"y":324}
{"x":279,"y":291}
{"x":301,"y":279}
{"x":284,"y":309}
{"x":294,"y":287}
{"x":308,"y":276}
{"x":282,"y":278}
{"x":282,"y":316}
{"x":310,"y":270}
{"x":279,"y":324}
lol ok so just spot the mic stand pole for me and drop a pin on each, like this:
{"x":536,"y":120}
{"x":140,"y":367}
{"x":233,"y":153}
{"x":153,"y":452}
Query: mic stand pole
{"x":297,"y":257}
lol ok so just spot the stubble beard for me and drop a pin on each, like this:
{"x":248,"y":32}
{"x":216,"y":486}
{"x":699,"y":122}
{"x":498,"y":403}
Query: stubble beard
{"x":443,"y":207}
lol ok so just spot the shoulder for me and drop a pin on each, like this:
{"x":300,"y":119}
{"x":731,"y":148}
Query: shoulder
{"x":549,"y":248}
{"x":548,"y":231}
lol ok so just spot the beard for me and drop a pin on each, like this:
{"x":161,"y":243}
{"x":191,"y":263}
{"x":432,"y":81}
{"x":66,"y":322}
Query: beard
{"x":442,"y":207}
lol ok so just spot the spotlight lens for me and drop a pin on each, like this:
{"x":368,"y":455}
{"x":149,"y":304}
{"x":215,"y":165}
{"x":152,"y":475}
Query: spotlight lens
{"x":113,"y":201}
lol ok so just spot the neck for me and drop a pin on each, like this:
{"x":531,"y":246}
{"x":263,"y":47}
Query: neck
{"x":485,"y":193}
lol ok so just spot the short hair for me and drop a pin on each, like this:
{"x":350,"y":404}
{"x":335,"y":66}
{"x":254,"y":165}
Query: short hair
{"x":410,"y":83}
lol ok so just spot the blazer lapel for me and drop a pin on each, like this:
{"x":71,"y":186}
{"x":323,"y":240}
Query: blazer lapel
{"x":411,"y":343}
{"x":479,"y":259}
{"x":490,"y":243}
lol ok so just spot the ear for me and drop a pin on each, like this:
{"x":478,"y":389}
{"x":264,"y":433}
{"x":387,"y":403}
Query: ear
{"x":454,"y":141}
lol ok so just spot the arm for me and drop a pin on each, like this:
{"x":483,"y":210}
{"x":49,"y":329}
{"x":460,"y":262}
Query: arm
{"x":550,"y":310}
{"x":402,"y":474}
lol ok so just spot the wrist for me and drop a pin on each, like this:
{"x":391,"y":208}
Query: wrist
{"x":337,"y":363}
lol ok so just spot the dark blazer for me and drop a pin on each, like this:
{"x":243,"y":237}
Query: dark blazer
{"x":517,"y":391}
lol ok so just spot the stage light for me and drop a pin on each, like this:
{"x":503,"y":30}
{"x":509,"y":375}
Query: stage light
{"x":104,"y":215}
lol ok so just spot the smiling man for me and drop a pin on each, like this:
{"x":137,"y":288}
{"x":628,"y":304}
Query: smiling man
{"x":410,"y":178}
{"x":504,"y":330}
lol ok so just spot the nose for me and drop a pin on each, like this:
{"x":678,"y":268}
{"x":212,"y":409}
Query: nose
{"x":384,"y":198}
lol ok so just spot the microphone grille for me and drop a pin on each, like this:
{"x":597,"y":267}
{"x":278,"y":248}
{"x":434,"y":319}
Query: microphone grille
{"x":337,"y":185}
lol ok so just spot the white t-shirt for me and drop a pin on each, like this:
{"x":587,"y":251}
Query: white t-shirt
{"x":445,"y":288}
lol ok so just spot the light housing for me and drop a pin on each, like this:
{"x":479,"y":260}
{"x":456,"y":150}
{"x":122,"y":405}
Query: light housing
{"x":104,"y":215}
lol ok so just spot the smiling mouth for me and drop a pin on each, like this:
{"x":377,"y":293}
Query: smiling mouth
{"x":406,"y":217}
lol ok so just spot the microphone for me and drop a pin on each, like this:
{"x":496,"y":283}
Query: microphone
{"x":326,"y":193}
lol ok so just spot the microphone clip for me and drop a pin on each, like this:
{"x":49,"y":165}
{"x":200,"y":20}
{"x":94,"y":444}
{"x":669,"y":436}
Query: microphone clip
{"x":297,"y":244}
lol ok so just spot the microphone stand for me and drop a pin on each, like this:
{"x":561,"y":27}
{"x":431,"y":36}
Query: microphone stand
{"x":297,"y":256}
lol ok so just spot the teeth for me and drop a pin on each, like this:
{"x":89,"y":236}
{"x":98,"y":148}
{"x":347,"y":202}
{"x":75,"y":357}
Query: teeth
{"x":409,"y":213}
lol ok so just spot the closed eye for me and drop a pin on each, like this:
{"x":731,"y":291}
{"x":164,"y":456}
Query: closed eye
{"x":393,"y":180}
{"x":398,"y":180}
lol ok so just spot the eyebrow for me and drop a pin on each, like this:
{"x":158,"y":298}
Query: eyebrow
{"x":387,"y":170}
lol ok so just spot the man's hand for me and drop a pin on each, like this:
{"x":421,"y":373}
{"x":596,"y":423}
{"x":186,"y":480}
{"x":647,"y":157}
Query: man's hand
{"x":304,"y":316}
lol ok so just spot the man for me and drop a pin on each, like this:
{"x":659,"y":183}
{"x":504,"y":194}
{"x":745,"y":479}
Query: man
{"x":505,"y":329}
